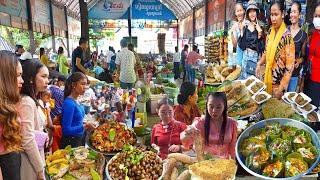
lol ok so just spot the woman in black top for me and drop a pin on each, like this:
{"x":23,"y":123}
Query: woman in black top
{"x":250,"y":41}
{"x":299,"y":38}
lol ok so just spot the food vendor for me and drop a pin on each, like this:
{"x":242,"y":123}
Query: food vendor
{"x":279,"y":57}
{"x":166,"y":134}
{"x":218,"y":132}
{"x":187,"y":109}
{"x":72,"y":112}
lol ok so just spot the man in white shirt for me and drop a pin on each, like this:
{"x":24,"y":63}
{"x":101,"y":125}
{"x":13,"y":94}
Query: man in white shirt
{"x":176,"y":61}
{"x":125,"y":61}
{"x":109,"y":55}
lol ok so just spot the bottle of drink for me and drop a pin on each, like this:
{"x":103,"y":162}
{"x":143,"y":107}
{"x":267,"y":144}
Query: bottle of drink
{"x":133,"y":116}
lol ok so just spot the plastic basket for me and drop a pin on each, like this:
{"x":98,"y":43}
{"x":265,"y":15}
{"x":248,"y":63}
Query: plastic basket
{"x":171,"y":92}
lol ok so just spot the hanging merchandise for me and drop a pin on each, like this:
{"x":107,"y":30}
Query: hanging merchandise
{"x":161,"y":43}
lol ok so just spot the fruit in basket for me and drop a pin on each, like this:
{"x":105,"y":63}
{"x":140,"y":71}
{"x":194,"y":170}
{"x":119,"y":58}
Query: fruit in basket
{"x":256,"y":87}
{"x":300,"y":100}
{"x":133,"y":163}
{"x":112,"y":136}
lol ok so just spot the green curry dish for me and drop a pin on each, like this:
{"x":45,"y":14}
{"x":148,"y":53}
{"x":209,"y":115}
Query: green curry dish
{"x":251,"y":145}
{"x":309,"y":154}
{"x":258,"y":159}
{"x":301,"y":139}
{"x":275,"y":169}
{"x":280,"y":147}
{"x":288,"y":132}
{"x":259,"y":134}
{"x":295,"y":166}
{"x":273,"y":131}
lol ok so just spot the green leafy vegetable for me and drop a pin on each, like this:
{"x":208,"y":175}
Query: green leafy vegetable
{"x":112,"y":134}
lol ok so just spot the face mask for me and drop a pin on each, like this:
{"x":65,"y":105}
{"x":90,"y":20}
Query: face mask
{"x":316,"y":22}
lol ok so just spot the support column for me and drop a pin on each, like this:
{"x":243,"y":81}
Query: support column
{"x":178,"y":34}
{"x":30,"y":27}
{"x":67,"y":30}
{"x":84,"y":24}
{"x":52,"y":27}
{"x":225,"y":19}
{"x":206,"y":18}
{"x":193,"y":26}
{"x":129,"y":21}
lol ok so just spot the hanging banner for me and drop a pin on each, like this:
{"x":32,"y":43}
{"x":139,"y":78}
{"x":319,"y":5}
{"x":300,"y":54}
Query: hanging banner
{"x":109,"y":9}
{"x":74,"y":26}
{"x":151,"y":9}
{"x":216,"y":11}
{"x":200,"y":18}
{"x":40,"y":11}
{"x":16,"y":8}
{"x":59,"y":19}
{"x":230,"y":10}
{"x":185,"y":27}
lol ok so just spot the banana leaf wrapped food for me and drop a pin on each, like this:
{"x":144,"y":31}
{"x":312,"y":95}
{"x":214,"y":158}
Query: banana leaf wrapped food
{"x":258,"y":159}
{"x":275,"y":169}
{"x":273,"y":130}
{"x":309,"y":154}
{"x":295,"y":166}
{"x":250,"y":145}
{"x":288,"y":132}
{"x":280,"y":147}
{"x":259,"y":134}
{"x":301,"y":139}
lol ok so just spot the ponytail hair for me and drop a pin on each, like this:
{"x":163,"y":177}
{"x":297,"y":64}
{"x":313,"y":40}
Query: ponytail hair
{"x":71,"y":81}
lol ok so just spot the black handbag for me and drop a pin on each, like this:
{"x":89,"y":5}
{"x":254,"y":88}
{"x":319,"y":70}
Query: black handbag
{"x":251,"y":67}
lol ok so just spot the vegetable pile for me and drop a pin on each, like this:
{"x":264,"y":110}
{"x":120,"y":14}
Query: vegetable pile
{"x":112,"y":136}
{"x":134,"y":163}
{"x":278,"y":151}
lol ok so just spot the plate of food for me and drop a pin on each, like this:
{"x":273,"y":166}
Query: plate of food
{"x":308,"y":108}
{"x":261,"y":97}
{"x":289,"y":97}
{"x":111,"y":137}
{"x":134,"y":163}
{"x":301,"y":100}
{"x":75,"y":163}
{"x":256,"y":87}
{"x":313,"y":117}
{"x":249,"y":81}
{"x":278,"y":149}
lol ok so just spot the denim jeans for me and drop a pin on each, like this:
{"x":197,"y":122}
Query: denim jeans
{"x":248,"y":55}
{"x":176,"y":68}
{"x":10,"y":166}
{"x":293,"y":84}
{"x":124,"y":85}
{"x":191,"y":73}
{"x":239,"y":56}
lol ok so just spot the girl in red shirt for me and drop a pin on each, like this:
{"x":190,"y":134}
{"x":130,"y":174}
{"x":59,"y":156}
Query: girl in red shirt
{"x":313,"y":86}
{"x":166,"y":134}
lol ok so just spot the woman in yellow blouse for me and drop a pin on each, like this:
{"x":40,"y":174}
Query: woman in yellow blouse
{"x":44,"y":58}
{"x":279,"y":56}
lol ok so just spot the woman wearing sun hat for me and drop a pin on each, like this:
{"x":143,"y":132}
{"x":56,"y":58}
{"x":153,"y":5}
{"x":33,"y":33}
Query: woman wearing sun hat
{"x":251,"y":41}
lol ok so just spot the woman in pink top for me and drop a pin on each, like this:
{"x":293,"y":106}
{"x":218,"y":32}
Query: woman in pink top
{"x":166,"y":134}
{"x":10,"y":137}
{"x":35,"y":76}
{"x":219,"y":132}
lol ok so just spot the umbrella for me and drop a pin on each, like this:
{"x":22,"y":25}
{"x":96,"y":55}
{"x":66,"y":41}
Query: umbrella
{"x":4,"y":45}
